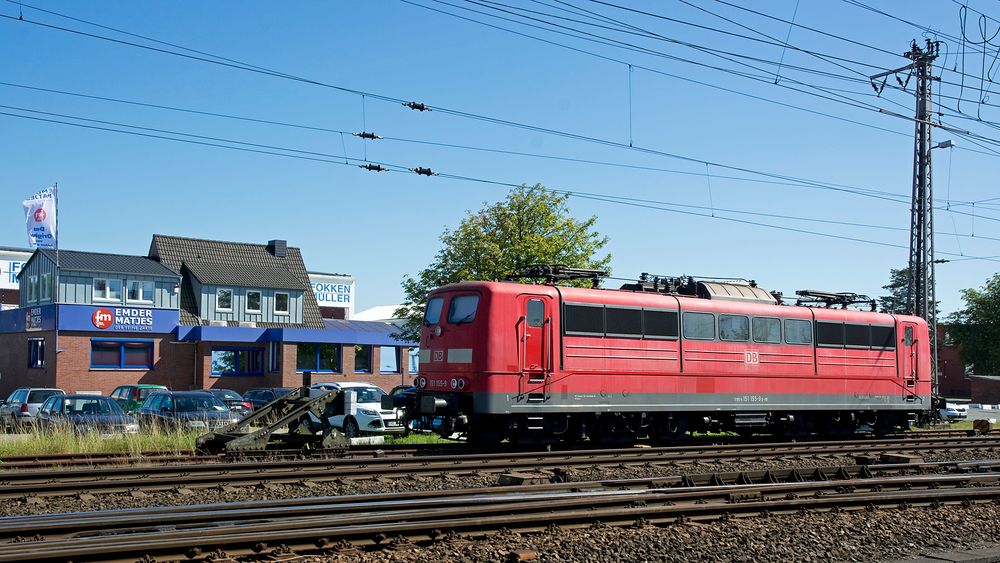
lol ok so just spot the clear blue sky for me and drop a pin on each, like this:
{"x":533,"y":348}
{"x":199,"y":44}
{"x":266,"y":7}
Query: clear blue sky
{"x":117,"y":190}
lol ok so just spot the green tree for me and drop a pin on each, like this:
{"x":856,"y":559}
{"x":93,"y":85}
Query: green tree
{"x":532,"y":225}
{"x":976,"y":328}
{"x":895,"y":301}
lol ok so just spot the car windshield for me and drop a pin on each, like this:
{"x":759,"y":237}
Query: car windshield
{"x":199,"y":403}
{"x":367,"y":394}
{"x":39,"y":395}
{"x":146,"y":391}
{"x":226,"y":394}
{"x":83,"y":406}
{"x":281,"y":392}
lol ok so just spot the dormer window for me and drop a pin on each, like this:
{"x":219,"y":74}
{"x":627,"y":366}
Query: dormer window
{"x":224,"y":299}
{"x":107,"y":290}
{"x":46,"y":286}
{"x":253,"y":301}
{"x":280,"y":303}
{"x":32,"y":289}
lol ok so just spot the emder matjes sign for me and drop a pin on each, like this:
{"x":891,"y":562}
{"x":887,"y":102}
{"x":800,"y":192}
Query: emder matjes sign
{"x":117,"y":319}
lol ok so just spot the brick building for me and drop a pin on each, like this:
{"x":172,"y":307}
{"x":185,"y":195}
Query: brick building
{"x":192,"y":314}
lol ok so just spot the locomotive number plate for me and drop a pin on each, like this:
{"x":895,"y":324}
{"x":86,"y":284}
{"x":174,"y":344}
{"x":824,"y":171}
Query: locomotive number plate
{"x":751,"y":358}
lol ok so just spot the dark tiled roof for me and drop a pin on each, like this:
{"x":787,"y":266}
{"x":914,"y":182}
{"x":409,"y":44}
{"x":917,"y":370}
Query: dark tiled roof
{"x":230,"y":257}
{"x":110,"y":263}
{"x":240,"y":275}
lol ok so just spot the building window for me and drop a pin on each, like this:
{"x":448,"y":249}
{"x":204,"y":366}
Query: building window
{"x":107,"y":290}
{"x":140,"y":291}
{"x":237,"y":361}
{"x":121,"y":354}
{"x":318,"y":357}
{"x":253,"y":301}
{"x":414,"y":367}
{"x":36,"y":353}
{"x":32,"y":289}
{"x":274,"y":356}
{"x":388,"y":359}
{"x":46,"y":286}
{"x":223,"y":299}
{"x":280,"y":303}
{"x":362,"y":358}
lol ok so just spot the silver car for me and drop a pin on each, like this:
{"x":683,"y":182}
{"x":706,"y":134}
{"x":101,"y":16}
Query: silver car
{"x":20,"y":408}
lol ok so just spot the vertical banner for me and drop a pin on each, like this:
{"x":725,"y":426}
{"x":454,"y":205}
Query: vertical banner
{"x":40,"y":218}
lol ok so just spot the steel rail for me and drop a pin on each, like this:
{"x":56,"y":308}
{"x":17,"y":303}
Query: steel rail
{"x":121,"y":479}
{"x":363,"y":521}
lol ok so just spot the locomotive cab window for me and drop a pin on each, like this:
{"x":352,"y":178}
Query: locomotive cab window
{"x":463,"y":309}
{"x":734,"y":328}
{"x":536,"y":313}
{"x":623,"y":322}
{"x":798,"y":331}
{"x":583,"y":319}
{"x":433,"y":313}
{"x":660,"y":324}
{"x":699,"y":326}
{"x":766,"y":329}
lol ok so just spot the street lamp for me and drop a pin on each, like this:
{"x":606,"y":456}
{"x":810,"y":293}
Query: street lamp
{"x":949,"y":144}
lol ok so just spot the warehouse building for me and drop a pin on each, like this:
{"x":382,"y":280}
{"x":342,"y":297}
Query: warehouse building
{"x":192,"y":314}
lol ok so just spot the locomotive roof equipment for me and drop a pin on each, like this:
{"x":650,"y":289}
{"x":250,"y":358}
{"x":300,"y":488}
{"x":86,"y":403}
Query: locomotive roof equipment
{"x":815,"y":298}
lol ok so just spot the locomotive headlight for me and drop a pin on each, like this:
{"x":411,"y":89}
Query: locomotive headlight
{"x":454,"y":383}
{"x":422,"y":382}
{"x":461,"y":384}
{"x":437,"y":330}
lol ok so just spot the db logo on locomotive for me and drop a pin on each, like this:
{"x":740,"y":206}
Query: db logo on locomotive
{"x":103,"y":318}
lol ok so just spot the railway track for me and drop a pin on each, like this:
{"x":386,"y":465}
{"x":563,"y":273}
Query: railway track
{"x":99,"y":459}
{"x":329,"y":524}
{"x":52,"y":483}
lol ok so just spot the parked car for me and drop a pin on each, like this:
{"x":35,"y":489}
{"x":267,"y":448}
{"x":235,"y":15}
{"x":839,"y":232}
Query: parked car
{"x":264,"y":395}
{"x":233,"y":400}
{"x":131,"y":397}
{"x":198,"y":410}
{"x":364,"y":413}
{"x":85,"y":413}
{"x":954,"y":412}
{"x":19,"y":409}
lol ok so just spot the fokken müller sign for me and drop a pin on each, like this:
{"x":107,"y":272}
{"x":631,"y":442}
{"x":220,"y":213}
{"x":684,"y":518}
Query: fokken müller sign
{"x":123,"y":319}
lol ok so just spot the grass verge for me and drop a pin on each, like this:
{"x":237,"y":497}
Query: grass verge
{"x":38,"y":442}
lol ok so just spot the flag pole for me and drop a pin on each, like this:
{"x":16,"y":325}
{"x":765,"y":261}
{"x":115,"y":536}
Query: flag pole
{"x":55,"y":290}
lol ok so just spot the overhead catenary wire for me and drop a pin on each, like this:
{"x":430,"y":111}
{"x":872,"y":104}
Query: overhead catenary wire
{"x":390,"y":167}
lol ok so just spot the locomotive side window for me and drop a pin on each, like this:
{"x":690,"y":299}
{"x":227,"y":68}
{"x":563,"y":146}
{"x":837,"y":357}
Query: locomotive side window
{"x":734,"y":328}
{"x":433,"y":313}
{"x":857,"y":336}
{"x":536,"y":313}
{"x":829,"y":334}
{"x":884,"y":337}
{"x":798,"y":331}
{"x":463,"y":309}
{"x":623,"y":322}
{"x":659,"y":324}
{"x":583,"y":319}
{"x":766,"y":329}
{"x":699,"y":326}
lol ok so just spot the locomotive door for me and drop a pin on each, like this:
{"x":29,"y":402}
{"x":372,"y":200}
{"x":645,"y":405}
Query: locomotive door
{"x":534,"y":346}
{"x":909,"y":356}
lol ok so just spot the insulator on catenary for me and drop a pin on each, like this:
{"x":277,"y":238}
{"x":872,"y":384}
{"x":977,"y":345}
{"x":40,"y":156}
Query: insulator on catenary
{"x":417,"y":106}
{"x":367,"y":135}
{"x":424,"y":171}
{"x":374,"y":167}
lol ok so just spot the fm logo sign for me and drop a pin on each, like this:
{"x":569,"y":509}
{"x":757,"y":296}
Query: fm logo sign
{"x":39,"y":215}
{"x":103,"y":318}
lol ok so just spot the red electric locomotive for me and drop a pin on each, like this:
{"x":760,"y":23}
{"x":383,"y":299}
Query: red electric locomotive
{"x":659,"y":358}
